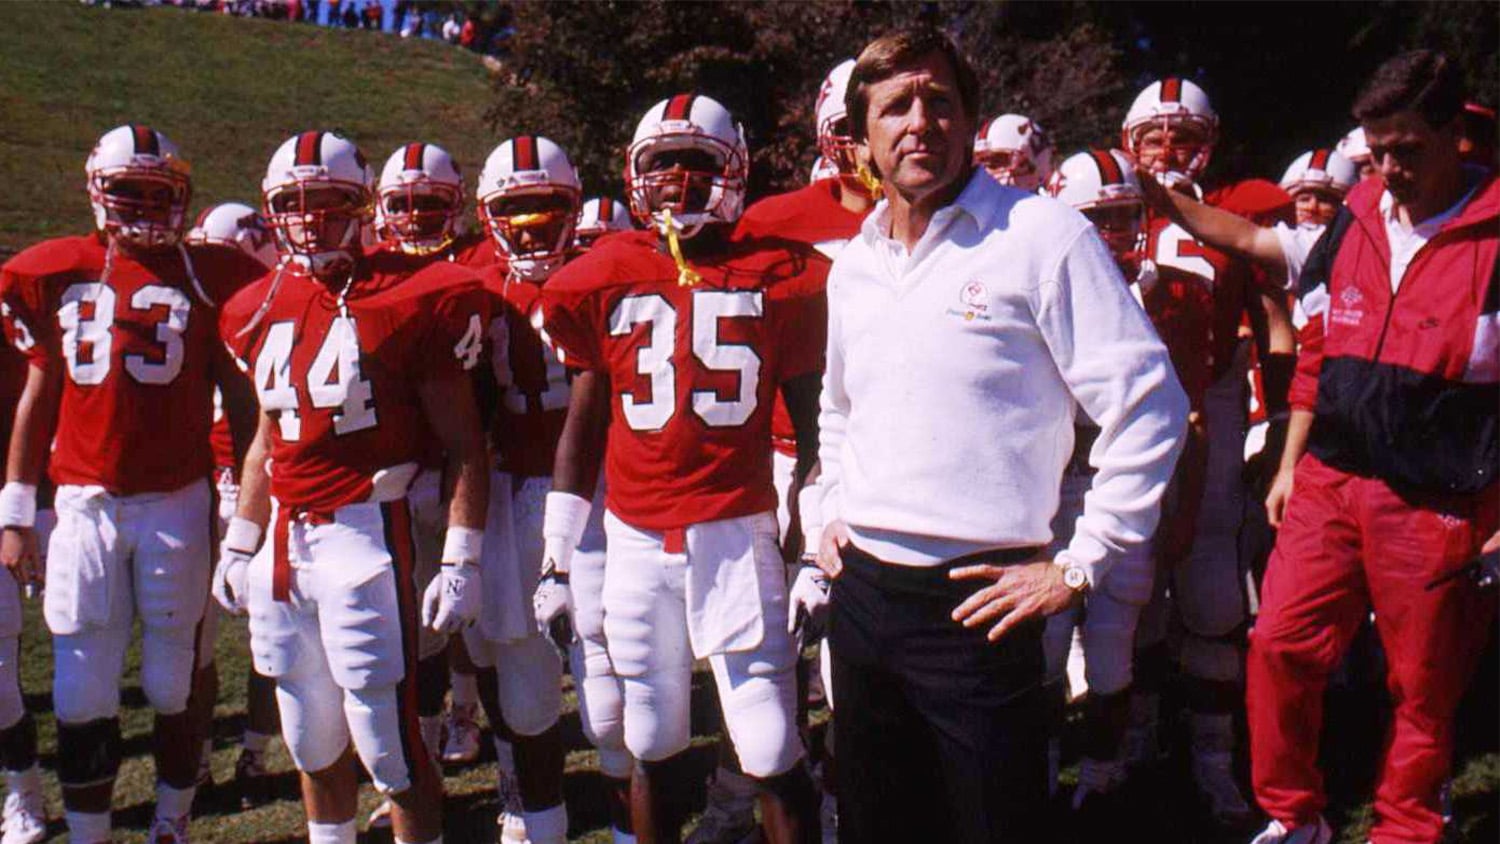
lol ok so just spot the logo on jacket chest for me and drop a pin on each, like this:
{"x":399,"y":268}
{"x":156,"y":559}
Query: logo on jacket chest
{"x":972,"y":297}
{"x":1346,"y":308}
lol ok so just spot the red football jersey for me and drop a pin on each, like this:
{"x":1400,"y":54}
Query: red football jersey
{"x":692,"y":369}
{"x":343,"y":386}
{"x":1181,"y":307}
{"x":140,"y":352}
{"x":813,"y":216}
{"x":534,"y":401}
{"x":475,"y":250}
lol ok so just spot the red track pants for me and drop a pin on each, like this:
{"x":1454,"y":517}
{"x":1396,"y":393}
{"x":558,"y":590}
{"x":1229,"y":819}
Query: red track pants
{"x":1349,"y":544}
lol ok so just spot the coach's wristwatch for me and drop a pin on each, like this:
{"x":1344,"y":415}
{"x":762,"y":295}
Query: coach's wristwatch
{"x":1074,"y":575}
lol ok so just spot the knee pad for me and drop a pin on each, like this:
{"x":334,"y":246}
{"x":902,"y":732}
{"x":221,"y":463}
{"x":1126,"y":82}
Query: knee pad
{"x":88,"y":753}
{"x":12,"y":707}
{"x":382,"y":737}
{"x":657,"y":715}
{"x":529,"y":678}
{"x":1109,"y":643}
{"x":81,"y":695}
{"x":1219,"y":659}
{"x":763,"y":726}
{"x":168,"y":660}
{"x":312,"y":721}
{"x":601,"y":703}
{"x":615,"y":764}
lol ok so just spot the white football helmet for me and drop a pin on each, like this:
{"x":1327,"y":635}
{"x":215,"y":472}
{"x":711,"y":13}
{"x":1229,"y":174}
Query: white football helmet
{"x":1354,"y":147}
{"x":1015,"y":150}
{"x":235,"y":225}
{"x":418,"y":201}
{"x":1103,"y":185}
{"x":1172,"y":103}
{"x":528,"y":201}
{"x":701,"y":192}
{"x":599,"y":216}
{"x":822,"y":169}
{"x":138,"y":186}
{"x":319,"y":198}
{"x":1320,"y":169}
{"x":835,"y":140}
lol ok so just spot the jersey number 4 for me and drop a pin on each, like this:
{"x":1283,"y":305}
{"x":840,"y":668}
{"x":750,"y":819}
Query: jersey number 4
{"x":86,"y":313}
{"x":333,"y":380}
{"x":654,"y":360}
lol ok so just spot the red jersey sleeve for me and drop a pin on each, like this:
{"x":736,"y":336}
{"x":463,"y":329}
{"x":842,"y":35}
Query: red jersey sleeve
{"x":29,"y":327}
{"x":799,"y":309}
{"x":453,"y":339}
{"x":571,"y":320}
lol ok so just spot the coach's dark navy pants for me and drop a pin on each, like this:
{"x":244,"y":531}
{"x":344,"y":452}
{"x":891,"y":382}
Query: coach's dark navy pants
{"x":940,"y":735}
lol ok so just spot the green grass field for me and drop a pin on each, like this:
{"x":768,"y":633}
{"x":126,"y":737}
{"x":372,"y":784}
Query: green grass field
{"x":228,"y":91}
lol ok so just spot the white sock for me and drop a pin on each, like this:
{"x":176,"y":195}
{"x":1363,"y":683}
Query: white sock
{"x":505,"y":757}
{"x":618,"y":837}
{"x":173,"y":803}
{"x":24,"y":782}
{"x":255,"y":742}
{"x":465,"y":689}
{"x":87,"y":827}
{"x":549,"y":826}
{"x":331,"y":833}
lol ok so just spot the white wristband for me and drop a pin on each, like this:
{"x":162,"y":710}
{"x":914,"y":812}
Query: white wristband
{"x":462,"y":544}
{"x":810,"y":512}
{"x":18,"y":505}
{"x":563,"y":522}
{"x":242,"y":535}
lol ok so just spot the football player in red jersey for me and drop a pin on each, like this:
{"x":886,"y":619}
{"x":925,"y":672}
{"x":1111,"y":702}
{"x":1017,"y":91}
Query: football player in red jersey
{"x":682,"y":335}
{"x":599,"y":216}
{"x":236,"y":227}
{"x":1170,"y":130}
{"x":118,"y":330}
{"x":23,"y":820}
{"x":824,"y":215}
{"x":1015,"y":150}
{"x":1104,"y":186}
{"x":359,"y":361}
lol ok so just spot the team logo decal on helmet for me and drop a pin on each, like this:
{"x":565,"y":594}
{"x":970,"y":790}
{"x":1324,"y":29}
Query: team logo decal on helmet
{"x":235,"y":225}
{"x":1015,"y":150}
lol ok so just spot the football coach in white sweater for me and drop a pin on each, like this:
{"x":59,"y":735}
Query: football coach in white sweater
{"x":968,"y":322}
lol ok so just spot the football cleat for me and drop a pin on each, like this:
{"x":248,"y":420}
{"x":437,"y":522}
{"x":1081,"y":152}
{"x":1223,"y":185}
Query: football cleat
{"x":169,"y":831}
{"x":1313,"y":833}
{"x":728,"y":817}
{"x":23,"y":820}
{"x":462,"y":746}
{"x":252,"y":781}
{"x":510,"y":820}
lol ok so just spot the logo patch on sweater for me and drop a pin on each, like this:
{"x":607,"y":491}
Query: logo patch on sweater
{"x":1350,"y":313}
{"x":972,"y":296}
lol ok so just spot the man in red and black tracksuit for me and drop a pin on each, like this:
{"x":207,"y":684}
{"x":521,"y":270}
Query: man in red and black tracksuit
{"x":1394,"y":442}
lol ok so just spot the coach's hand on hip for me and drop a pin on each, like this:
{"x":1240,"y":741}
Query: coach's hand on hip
{"x":835,"y":537}
{"x":1019,"y":594}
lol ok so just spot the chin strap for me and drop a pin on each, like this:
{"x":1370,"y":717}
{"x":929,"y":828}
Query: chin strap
{"x":868,"y":180}
{"x":686,"y":276}
{"x":187,"y":264}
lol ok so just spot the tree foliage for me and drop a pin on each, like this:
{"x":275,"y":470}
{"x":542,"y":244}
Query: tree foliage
{"x":1281,"y":77}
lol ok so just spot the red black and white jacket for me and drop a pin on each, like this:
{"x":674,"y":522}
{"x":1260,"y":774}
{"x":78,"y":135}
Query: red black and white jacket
{"x":1405,"y":386}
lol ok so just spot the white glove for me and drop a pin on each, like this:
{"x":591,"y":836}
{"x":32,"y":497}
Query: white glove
{"x":453,"y":598}
{"x":808,"y":598}
{"x":232,"y":573}
{"x":553,"y":605}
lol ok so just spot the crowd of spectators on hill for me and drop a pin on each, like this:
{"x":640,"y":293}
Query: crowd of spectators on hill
{"x":404,"y":17}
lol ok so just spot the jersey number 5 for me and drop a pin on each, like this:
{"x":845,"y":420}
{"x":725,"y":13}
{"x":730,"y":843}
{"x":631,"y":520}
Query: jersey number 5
{"x":654,"y":360}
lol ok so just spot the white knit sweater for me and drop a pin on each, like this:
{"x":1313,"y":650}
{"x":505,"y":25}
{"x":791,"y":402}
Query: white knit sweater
{"x":954,"y":374}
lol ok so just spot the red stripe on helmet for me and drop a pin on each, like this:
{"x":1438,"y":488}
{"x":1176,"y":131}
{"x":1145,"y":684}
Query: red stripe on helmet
{"x":1319,"y":160}
{"x":145,"y":140}
{"x":679,"y":107}
{"x":523,"y":154}
{"x":414,"y":154}
{"x":309,"y":149}
{"x":1109,"y":168}
{"x":203,"y":216}
{"x":1171,"y":90}
{"x":606,"y":209}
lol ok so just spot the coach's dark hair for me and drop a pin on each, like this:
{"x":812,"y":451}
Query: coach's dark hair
{"x":887,"y":55}
{"x":1423,"y":81}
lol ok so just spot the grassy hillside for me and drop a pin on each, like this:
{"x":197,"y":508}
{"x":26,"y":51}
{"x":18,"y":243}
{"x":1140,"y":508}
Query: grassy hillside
{"x":227,"y":90}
